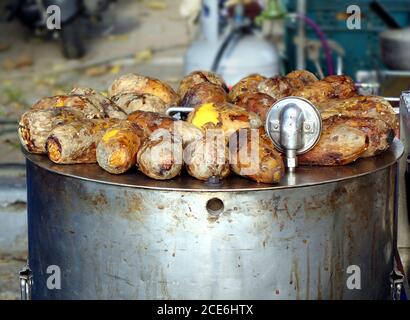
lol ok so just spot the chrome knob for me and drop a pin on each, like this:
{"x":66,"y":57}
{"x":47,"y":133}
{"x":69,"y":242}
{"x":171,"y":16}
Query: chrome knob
{"x":294,"y":125}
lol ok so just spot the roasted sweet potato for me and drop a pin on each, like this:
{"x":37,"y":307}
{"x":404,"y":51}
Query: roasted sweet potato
{"x":304,"y":84}
{"x":197,"y":77}
{"x":246,"y":85}
{"x":80,"y":102}
{"x":339,"y":144}
{"x":102,"y":103}
{"x":378,"y":132}
{"x":187,"y":131}
{"x":204,"y":92}
{"x":133,"y":83}
{"x":360,"y":106}
{"x":117,"y":149}
{"x":208,"y":157}
{"x":130,"y":102}
{"x":151,"y":121}
{"x":304,"y":76}
{"x":256,"y":102}
{"x":331,"y":87}
{"x":373,"y":115}
{"x":253,"y":156}
{"x":160,"y":156}
{"x":223,"y":133}
{"x":279,"y":87}
{"x":36,"y":125}
{"x":92,"y":104}
{"x":225,"y":116}
{"x":76,"y":142}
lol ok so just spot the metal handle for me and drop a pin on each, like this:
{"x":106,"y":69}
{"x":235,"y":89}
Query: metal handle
{"x":173,"y":110}
{"x":291,"y":126}
{"x":26,"y":283}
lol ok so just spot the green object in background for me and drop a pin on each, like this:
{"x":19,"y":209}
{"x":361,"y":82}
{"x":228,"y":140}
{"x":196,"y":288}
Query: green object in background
{"x":274,"y":10}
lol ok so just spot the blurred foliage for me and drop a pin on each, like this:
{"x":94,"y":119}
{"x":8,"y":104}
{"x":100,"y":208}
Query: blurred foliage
{"x":157,"y":5}
{"x":14,"y":94}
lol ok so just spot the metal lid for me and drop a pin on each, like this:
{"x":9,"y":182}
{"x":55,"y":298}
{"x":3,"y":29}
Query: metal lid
{"x":305,"y":176}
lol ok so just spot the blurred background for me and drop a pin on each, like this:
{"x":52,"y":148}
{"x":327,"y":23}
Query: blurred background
{"x":100,"y":40}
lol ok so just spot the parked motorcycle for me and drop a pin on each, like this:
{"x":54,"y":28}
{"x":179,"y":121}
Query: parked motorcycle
{"x":35,"y":14}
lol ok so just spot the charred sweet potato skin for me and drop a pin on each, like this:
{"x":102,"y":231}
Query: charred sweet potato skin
{"x":339,"y":144}
{"x":253,"y":156}
{"x":82,"y":103}
{"x":117,"y":150}
{"x":246,"y":85}
{"x":331,"y":87}
{"x":304,"y":76}
{"x":133,"y":83}
{"x":226,"y":116}
{"x":379,"y":134}
{"x":102,"y":103}
{"x":208,"y":157}
{"x":161,"y":155}
{"x":372,"y":115}
{"x":187,"y":132}
{"x":279,"y":87}
{"x":36,"y":125}
{"x":76,"y":141}
{"x":197,"y":77}
{"x":256,"y":102}
{"x":304,"y":86}
{"x":92,"y":104}
{"x":360,"y":106}
{"x":150,"y":121}
{"x":131,"y":102}
{"x":202,"y":93}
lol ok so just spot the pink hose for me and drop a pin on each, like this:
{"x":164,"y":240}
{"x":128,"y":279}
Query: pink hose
{"x":325,"y":44}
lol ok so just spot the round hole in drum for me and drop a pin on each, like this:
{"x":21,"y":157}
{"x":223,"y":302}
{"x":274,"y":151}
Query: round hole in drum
{"x":215,"y":206}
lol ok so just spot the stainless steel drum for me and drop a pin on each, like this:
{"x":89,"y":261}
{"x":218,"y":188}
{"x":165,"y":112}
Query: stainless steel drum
{"x":131,"y":237}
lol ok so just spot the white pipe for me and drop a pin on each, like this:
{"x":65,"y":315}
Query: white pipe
{"x":339,"y":67}
{"x":210,"y":20}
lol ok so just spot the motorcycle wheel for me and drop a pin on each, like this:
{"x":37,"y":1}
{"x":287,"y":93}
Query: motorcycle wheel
{"x":71,"y":39}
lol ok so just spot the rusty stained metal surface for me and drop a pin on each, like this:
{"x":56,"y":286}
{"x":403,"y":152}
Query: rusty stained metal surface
{"x":119,"y":242}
